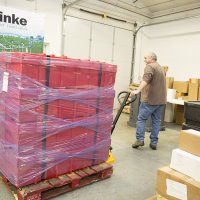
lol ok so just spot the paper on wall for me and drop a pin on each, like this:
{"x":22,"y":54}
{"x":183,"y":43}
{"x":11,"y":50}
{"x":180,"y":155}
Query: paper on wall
{"x":176,"y":189}
{"x":5,"y":82}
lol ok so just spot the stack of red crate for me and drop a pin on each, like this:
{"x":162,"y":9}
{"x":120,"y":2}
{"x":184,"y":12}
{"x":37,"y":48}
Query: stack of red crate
{"x":55,"y":115}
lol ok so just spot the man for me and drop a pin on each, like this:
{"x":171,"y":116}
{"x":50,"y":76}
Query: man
{"x":153,"y":98}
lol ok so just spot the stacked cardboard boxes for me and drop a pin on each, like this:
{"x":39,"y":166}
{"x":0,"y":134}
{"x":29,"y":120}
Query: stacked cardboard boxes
{"x":182,"y":179}
{"x":127,"y":109}
{"x":55,"y":115}
{"x":169,"y":82}
{"x":193,"y":92}
{"x":187,"y":91}
{"x":181,"y":88}
{"x":169,"y":108}
{"x":199,"y":94}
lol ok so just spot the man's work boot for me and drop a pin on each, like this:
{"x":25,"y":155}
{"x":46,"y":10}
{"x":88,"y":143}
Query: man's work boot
{"x":153,"y":146}
{"x":137,"y":144}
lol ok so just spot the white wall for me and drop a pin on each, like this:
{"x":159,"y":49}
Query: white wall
{"x":123,"y":57}
{"x":97,"y":41}
{"x":77,"y":36}
{"x":177,"y":45}
{"x":142,"y":45}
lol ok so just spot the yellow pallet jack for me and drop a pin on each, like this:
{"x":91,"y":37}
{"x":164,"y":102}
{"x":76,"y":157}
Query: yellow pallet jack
{"x":123,"y":103}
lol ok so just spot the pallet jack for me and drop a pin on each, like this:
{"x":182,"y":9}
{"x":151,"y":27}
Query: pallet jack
{"x":123,"y":103}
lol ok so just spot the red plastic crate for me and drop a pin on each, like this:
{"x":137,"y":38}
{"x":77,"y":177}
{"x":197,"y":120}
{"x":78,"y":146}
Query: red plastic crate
{"x":71,"y":143}
{"x":86,"y":77}
{"x":60,"y":109}
{"x":63,"y":73}
{"x":21,"y":153}
{"x":21,"y":172}
{"x":15,"y":109}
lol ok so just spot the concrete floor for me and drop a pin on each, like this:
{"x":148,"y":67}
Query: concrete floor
{"x":134,"y":174}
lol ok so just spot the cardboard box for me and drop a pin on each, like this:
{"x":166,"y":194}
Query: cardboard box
{"x":194,"y":80}
{"x":199,"y":94}
{"x":181,"y":86}
{"x":186,"y":163}
{"x":185,"y":98}
{"x":173,"y":185}
{"x":156,"y":197}
{"x":166,"y":68}
{"x":193,"y":92}
{"x":179,"y":114}
{"x":169,"y":82}
{"x":181,"y":95}
{"x":189,"y":141}
{"x":133,"y":86}
{"x":169,"y":112}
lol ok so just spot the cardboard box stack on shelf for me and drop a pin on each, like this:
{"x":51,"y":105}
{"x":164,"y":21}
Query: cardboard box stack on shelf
{"x":169,"y":108}
{"x":132,"y":87}
{"x":156,"y":197}
{"x":199,"y":93}
{"x":169,"y":82}
{"x":187,"y":91}
{"x":181,"y":180}
{"x":193,"y":89}
{"x":55,"y":115}
{"x":181,"y":88}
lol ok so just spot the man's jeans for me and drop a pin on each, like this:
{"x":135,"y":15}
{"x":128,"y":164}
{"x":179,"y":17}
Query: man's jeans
{"x":146,"y":110}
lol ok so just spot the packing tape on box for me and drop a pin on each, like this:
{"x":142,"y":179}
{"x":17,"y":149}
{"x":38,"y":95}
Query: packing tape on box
{"x":171,"y":94}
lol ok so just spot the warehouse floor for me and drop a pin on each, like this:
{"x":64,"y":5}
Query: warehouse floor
{"x":134,"y":174}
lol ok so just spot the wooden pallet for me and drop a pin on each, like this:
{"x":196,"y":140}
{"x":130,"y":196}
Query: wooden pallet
{"x":157,"y":197}
{"x":152,"y":198}
{"x":67,"y":182}
{"x":126,"y":110}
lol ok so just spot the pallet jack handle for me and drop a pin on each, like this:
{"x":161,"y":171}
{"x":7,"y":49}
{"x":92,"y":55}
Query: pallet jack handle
{"x":123,"y":104}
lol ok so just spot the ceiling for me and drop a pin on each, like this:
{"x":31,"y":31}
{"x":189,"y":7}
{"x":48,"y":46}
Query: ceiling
{"x":155,"y":6}
{"x":135,"y":9}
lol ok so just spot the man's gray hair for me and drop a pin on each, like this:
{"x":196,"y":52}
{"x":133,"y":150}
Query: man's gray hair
{"x":153,"y":55}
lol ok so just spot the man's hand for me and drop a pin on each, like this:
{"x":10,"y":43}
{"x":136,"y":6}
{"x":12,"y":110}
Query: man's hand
{"x":135,"y":92}
{"x":142,"y":85}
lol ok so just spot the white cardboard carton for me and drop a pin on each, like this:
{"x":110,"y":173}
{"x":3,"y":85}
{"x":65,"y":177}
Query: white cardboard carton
{"x":186,"y":163}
